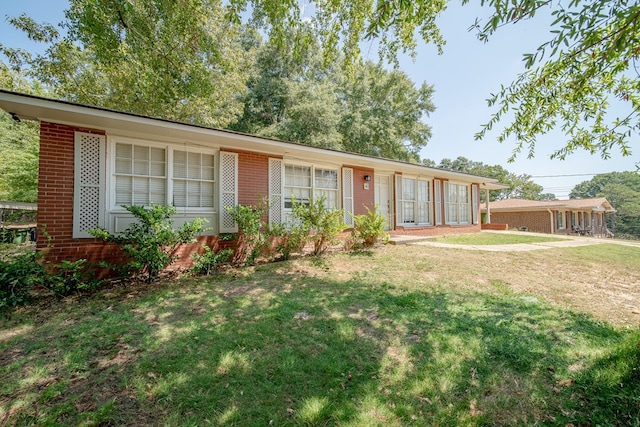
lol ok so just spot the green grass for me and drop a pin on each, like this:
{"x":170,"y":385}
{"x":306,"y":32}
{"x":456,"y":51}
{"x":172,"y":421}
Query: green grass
{"x":495,"y":239}
{"x":327,"y":341}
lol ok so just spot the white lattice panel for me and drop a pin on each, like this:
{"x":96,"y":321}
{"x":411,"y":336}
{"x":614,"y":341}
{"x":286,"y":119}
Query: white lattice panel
{"x":227,"y":220}
{"x":275,"y":191}
{"x":228,"y":190}
{"x":347,"y":196}
{"x":87,"y":187}
{"x":228,"y":162}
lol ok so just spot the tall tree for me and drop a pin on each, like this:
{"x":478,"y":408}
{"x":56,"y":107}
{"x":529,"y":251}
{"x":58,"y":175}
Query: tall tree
{"x":571,"y":80}
{"x":311,"y":116}
{"x":374,"y":111}
{"x":383,"y":112}
{"x":181,"y":60}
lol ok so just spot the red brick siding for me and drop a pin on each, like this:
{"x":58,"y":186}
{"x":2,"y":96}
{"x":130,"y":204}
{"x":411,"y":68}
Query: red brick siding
{"x":253,"y":177}
{"x":55,"y":200}
{"x":537,"y":221}
{"x":362,"y":199}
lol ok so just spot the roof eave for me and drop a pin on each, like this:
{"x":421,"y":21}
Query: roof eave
{"x":43,"y":109}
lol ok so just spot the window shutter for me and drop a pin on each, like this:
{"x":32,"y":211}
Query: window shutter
{"x":276,"y":202}
{"x":437,"y":187}
{"x":474,"y":204}
{"x":89,"y":164}
{"x":347,"y":196}
{"x":228,"y":190}
{"x":399,"y":216}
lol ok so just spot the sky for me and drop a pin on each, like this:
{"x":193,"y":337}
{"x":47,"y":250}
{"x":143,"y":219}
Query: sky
{"x":463,"y":77}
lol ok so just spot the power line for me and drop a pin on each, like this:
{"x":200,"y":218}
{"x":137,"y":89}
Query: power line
{"x":558,"y":176}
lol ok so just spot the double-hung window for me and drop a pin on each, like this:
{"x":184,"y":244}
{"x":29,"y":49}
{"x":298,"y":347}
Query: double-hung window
{"x":146,"y":173}
{"x":458,"y":206}
{"x":415,"y":201}
{"x":140,"y":175}
{"x":307,"y":182}
{"x":326,"y":185}
{"x":193,"y":180}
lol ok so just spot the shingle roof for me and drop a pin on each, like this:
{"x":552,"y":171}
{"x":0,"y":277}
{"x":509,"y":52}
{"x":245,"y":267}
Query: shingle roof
{"x":597,"y":203}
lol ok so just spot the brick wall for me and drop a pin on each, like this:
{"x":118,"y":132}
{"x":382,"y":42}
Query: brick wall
{"x":536,"y":221}
{"x":55,"y":200}
{"x":362,"y":199}
{"x":253,"y":177}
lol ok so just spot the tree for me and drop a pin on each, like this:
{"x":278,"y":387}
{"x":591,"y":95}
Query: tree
{"x":181,"y":60}
{"x":374,"y":111}
{"x":520,"y":186}
{"x":19,"y":146}
{"x":311,"y":116}
{"x":622,"y":190}
{"x":382,"y":113}
{"x":570,"y":83}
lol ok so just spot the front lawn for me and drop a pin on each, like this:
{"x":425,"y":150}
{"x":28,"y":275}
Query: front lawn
{"x":495,"y":239}
{"x":406,"y":335}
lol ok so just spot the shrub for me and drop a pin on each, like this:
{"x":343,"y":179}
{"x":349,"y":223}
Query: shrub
{"x":70,"y":277}
{"x":17,"y":278}
{"x":150,"y":242}
{"x":288,"y":239}
{"x":251,"y":241}
{"x":368,"y":229}
{"x":325,"y":224}
{"x":209,"y":261}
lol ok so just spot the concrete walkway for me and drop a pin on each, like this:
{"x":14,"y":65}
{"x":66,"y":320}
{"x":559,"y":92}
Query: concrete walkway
{"x":566,"y":242}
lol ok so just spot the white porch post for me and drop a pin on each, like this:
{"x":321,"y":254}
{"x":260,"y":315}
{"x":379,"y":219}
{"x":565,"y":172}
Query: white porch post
{"x":486,"y":201}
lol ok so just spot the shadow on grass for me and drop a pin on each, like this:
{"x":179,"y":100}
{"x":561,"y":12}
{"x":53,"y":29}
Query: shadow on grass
{"x":285,"y":347}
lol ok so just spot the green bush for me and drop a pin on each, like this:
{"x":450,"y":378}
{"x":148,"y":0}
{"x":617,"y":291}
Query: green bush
{"x":324,"y":224}
{"x":150,"y":242}
{"x":209,"y":261}
{"x":18,"y":275}
{"x":368,"y":229}
{"x":251,"y":241}
{"x":288,"y":239}
{"x":70,"y":277}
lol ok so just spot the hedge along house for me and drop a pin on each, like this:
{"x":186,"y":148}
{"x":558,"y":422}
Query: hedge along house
{"x":93,"y":161}
{"x":583,"y":216}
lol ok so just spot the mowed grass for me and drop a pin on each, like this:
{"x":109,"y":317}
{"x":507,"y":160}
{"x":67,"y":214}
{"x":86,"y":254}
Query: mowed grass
{"x":398,"y":336}
{"x":487,"y":238}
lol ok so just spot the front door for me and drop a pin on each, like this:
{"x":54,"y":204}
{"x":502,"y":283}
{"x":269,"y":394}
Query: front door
{"x":381,"y":186}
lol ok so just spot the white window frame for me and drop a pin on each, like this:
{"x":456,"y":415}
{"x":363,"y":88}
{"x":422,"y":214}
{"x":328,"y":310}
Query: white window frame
{"x":113,"y":178}
{"x":454,"y":208}
{"x":119,"y":217}
{"x":193,"y":180}
{"x":314,"y":189}
{"x":414,"y":201}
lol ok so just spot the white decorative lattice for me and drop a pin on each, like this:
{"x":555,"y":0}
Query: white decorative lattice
{"x":228,"y":190}
{"x":347,"y":196}
{"x":88,"y":176}
{"x":275,"y":191}
{"x":227,"y":220}
{"x":228,"y":170}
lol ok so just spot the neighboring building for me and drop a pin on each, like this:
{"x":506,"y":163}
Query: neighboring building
{"x":93,"y":161}
{"x":583,"y":216}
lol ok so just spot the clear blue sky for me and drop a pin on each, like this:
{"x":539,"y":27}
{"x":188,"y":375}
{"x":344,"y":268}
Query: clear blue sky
{"x":463,"y":77}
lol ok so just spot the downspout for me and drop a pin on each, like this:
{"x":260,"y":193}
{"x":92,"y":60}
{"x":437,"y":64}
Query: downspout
{"x":551,"y":222}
